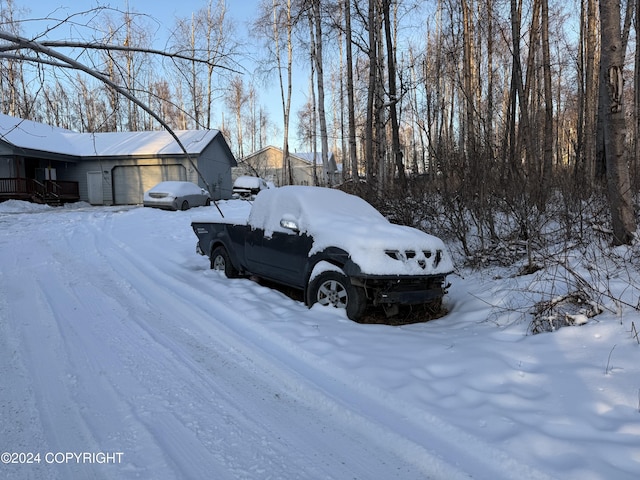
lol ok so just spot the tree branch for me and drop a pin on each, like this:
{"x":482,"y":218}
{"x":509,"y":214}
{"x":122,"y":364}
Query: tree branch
{"x":25,"y":43}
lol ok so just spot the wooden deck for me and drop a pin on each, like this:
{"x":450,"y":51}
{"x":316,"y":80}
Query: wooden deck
{"x":52,"y":192}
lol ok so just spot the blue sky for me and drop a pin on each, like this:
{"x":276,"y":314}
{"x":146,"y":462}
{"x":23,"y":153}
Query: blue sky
{"x":240,"y":12}
{"x":164,"y":11}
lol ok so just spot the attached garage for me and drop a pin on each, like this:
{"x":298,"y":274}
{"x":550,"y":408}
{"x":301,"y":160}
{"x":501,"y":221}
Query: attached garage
{"x":116,"y":168}
{"x":131,"y":181}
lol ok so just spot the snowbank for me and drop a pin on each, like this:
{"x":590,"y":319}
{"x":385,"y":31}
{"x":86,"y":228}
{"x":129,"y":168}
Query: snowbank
{"x":116,"y":337}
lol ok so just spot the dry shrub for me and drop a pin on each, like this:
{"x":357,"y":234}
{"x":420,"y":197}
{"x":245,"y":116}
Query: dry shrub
{"x":572,"y":309}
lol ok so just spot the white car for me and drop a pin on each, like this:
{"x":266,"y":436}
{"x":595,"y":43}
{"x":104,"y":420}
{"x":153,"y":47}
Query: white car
{"x":174,"y":195}
{"x":247,"y":187}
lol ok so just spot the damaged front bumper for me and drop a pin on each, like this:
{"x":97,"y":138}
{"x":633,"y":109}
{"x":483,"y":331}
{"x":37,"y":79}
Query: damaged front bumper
{"x":403,"y":290}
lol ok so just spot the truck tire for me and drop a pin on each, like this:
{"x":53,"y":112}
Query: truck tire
{"x":220,"y":261}
{"x":334,"y":289}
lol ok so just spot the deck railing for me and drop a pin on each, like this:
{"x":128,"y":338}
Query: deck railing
{"x":45,"y":191}
{"x":10,"y":186}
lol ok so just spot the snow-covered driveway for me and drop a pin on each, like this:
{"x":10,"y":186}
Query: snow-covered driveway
{"x":119,"y":345}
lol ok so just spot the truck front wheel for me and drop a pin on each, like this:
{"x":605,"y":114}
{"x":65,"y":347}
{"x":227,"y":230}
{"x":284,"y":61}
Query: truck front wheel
{"x":220,"y":261}
{"x":334,"y":289}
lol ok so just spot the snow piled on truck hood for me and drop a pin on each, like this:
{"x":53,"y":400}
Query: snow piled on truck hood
{"x":336,"y":219}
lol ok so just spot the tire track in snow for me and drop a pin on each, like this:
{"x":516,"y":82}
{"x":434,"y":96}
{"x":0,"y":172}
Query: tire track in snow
{"x":85,"y":393}
{"x":191,"y":388}
{"x":20,"y":419}
{"x":420,"y":438}
{"x":243,"y":363}
{"x":172,"y":368}
{"x":124,"y":357}
{"x":60,"y":337}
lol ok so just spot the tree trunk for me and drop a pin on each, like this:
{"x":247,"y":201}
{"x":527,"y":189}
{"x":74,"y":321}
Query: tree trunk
{"x":468,"y":127}
{"x":312,"y":92}
{"x":591,"y":89}
{"x":490,"y":141}
{"x":287,"y":175}
{"x":547,"y":163}
{"x":393,"y":109}
{"x":613,"y":122}
{"x":355,"y":175}
{"x":368,"y":134}
{"x":516,"y":92}
{"x":195,"y":100}
{"x":636,"y":98}
{"x":324,"y":143}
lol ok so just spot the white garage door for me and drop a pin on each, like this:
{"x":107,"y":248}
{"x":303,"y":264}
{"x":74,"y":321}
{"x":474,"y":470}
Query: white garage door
{"x":130,"y":182}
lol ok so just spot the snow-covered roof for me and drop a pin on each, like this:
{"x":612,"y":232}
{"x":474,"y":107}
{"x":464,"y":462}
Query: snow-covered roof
{"x":39,"y":136}
{"x":316,"y":158}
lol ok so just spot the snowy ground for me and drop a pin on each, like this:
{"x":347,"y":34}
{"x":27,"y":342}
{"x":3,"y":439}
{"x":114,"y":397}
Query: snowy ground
{"x":123,"y":356}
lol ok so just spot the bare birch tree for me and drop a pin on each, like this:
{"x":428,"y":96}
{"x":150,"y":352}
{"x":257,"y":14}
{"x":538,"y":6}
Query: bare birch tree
{"x":322,"y":116}
{"x":209,"y":34}
{"x":369,"y":151}
{"x":275,"y":28}
{"x":613,"y":124}
{"x":591,"y":90}
{"x":636,"y":99}
{"x":13,"y":92}
{"x":236,"y":99}
{"x":396,"y":150}
{"x":548,"y":141}
{"x":353,"y":154}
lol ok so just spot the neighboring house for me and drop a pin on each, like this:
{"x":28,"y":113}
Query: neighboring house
{"x":267,"y":163}
{"x":42,"y":163}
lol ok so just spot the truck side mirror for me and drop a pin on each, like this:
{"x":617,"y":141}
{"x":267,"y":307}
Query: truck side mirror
{"x":289,"y":224}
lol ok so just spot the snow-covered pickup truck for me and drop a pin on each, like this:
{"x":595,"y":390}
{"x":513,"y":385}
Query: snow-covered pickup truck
{"x":335,"y":247}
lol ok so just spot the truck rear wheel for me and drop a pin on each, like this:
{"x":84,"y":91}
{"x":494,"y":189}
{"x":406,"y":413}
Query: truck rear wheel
{"x":220,"y":261}
{"x":334,"y":289}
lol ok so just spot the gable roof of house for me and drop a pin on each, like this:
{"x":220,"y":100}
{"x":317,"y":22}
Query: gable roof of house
{"x":34,"y":136}
{"x":312,"y":158}
{"x":307,"y":157}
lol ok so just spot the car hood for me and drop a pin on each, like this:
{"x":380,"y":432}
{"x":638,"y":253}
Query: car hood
{"x":381,"y":248}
